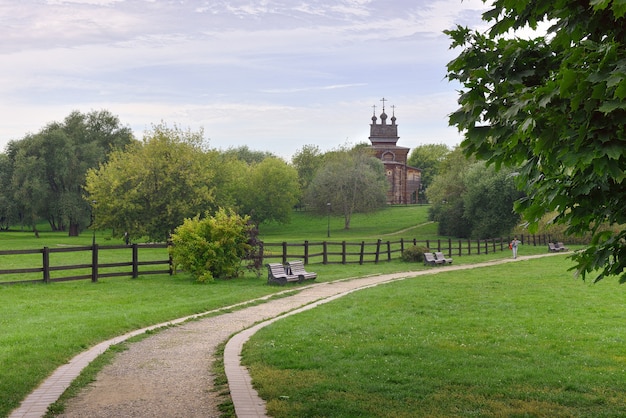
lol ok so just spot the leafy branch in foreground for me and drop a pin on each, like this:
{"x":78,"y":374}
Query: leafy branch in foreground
{"x":553,"y":106}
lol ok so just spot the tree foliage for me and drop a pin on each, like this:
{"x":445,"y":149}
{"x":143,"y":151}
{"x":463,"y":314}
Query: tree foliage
{"x":212,"y":247}
{"x":149,"y":188}
{"x":48,"y":168}
{"x":428,"y":157}
{"x":268,"y":191}
{"x":472,"y":200}
{"x":555,"y":107}
{"x":352,"y":181}
{"x":445,"y":195}
{"x":306,"y":161}
{"x":488,"y":201}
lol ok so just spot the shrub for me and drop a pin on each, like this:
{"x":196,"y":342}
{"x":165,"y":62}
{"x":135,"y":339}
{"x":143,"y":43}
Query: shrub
{"x":414,"y":254}
{"x":212,"y":247}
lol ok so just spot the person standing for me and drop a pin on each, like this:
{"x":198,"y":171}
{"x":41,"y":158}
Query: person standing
{"x":514,"y":245}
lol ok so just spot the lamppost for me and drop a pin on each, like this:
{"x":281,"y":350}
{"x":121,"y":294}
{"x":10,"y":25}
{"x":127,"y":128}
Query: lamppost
{"x":93,"y":218}
{"x":328,"y":230}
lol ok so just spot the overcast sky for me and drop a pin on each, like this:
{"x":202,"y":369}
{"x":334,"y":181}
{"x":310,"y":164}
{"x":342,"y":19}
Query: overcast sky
{"x":270,"y":74}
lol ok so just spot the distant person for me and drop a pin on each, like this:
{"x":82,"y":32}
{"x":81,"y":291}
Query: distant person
{"x":126,"y":238}
{"x":514,"y":245}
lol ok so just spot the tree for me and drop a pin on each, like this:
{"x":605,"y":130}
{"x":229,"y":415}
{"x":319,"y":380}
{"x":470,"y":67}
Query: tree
{"x":306,"y":161}
{"x":269,"y":191}
{"x":352,"y":181}
{"x":212,"y":247}
{"x":428,"y":157}
{"x":553,"y":106}
{"x":8,"y":206}
{"x":445,"y":195}
{"x":247,"y":155}
{"x":488,"y":201}
{"x":149,"y":188}
{"x":49,"y":167}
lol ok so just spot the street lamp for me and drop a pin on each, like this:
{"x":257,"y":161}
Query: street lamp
{"x":93,"y":218}
{"x":328,"y":231}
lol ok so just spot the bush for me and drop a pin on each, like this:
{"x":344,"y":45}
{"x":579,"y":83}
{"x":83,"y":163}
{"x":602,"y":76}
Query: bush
{"x":212,"y":247}
{"x":414,"y":254}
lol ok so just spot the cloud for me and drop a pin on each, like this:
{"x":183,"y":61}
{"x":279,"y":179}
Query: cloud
{"x":260,"y":71}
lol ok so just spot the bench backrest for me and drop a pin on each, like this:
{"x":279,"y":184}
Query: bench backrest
{"x":296,"y":267}
{"x":277,"y":269}
{"x":429,"y":256}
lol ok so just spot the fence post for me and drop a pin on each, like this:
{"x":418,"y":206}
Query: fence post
{"x":46,"y":265}
{"x":343,"y":252}
{"x":460,"y":248}
{"x":324,"y":253}
{"x":469,"y":247}
{"x":478,"y":246}
{"x":377,"y":250}
{"x":449,"y":247}
{"x":306,"y":252}
{"x":486,"y":246}
{"x":94,"y":263}
{"x":401,"y":245}
{"x":362,"y":252}
{"x":388,"y":250}
{"x":135,"y":252}
{"x":284,"y":252}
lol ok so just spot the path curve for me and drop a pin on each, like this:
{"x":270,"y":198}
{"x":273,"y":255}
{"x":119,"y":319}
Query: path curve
{"x":169,"y":374}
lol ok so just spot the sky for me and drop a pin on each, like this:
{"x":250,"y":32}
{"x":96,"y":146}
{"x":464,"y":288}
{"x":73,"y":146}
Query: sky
{"x":272,"y":75}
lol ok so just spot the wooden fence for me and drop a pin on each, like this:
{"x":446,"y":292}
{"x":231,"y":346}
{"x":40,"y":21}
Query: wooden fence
{"x":327,"y":252}
{"x":91,"y":270}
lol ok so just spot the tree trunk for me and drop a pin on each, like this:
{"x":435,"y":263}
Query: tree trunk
{"x":74,"y":229}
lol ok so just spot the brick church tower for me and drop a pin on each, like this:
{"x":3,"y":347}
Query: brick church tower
{"x":404,"y":180}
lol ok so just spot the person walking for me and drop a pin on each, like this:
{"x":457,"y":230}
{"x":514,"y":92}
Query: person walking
{"x":514,"y":245}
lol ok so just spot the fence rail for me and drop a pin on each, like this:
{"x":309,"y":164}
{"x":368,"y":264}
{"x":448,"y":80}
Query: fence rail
{"x":325,"y":252}
{"x":328,"y":252}
{"x":91,"y":270}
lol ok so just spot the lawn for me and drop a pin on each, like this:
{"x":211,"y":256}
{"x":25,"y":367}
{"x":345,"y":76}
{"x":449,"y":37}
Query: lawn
{"x":522,"y":339}
{"x":43,"y":326}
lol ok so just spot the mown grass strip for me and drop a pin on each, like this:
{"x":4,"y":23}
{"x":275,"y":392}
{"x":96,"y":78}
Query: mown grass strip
{"x":521,"y":339}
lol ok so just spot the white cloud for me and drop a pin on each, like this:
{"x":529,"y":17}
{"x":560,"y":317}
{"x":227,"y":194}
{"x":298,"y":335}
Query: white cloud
{"x":274,"y":73}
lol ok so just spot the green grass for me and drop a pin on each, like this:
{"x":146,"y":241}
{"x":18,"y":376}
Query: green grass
{"x":522,"y":339}
{"x":392,"y":220}
{"x":43,"y":326}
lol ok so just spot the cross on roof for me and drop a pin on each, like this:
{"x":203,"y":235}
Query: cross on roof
{"x":374,"y":107}
{"x":383,"y":100}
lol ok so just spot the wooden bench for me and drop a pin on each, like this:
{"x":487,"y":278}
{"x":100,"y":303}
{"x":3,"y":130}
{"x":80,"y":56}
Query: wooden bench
{"x":443,"y":258}
{"x":297,"y":269}
{"x":429,"y":258}
{"x":559,"y":246}
{"x":276,"y":274}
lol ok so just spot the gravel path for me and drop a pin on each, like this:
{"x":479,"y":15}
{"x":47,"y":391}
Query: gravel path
{"x":169,"y":373}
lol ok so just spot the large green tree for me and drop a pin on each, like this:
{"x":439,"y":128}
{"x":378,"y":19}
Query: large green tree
{"x":352,"y":181}
{"x":428,"y":158}
{"x":488,"y":201}
{"x":268,"y":191}
{"x":306,"y":161}
{"x":445,"y":195}
{"x":554,"y":106}
{"x":149,"y":188}
{"x":49,"y":167}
